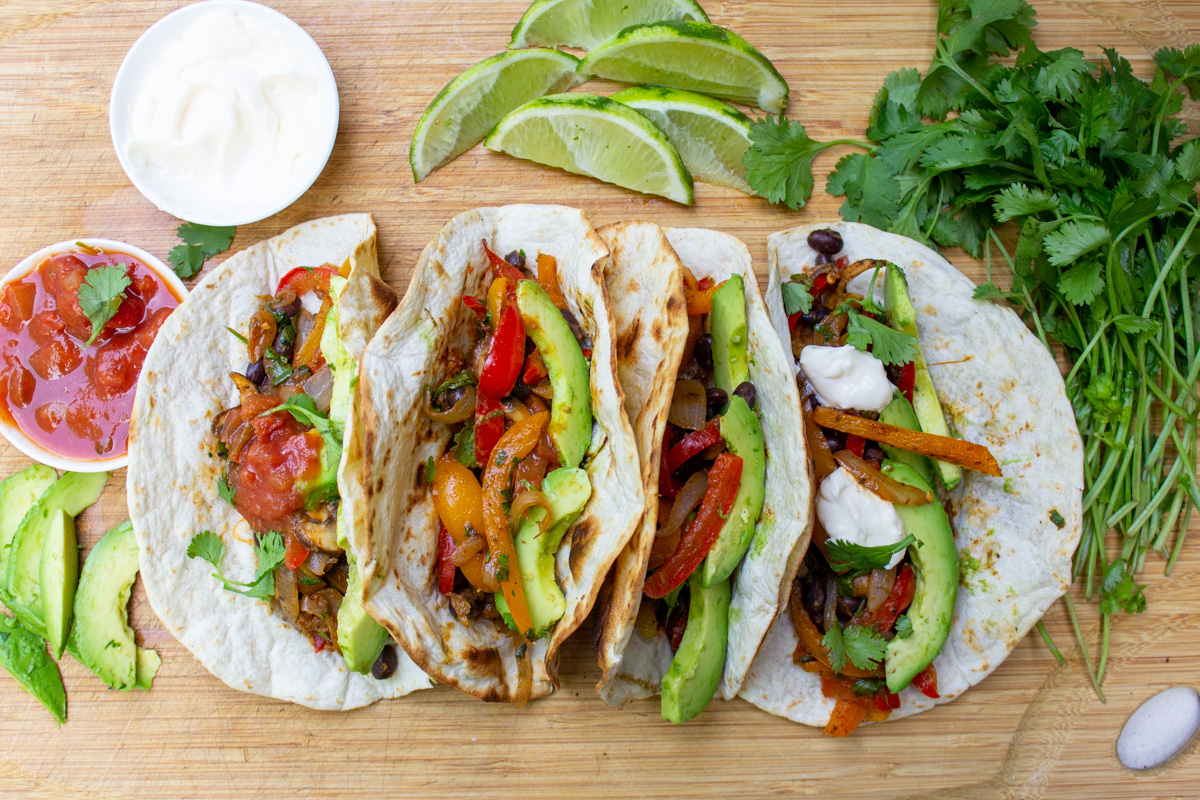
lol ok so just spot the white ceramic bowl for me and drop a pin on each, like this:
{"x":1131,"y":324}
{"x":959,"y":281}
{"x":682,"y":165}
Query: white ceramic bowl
{"x":15,"y":435}
{"x":263,"y":198}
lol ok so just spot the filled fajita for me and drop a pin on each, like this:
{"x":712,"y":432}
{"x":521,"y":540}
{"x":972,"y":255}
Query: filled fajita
{"x":947,"y":475}
{"x":726,"y":518}
{"x":499,"y":475}
{"x":237,"y":468}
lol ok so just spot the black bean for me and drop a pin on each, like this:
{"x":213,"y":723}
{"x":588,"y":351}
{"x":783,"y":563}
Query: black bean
{"x":521,"y":391}
{"x":747,"y":392}
{"x":822,"y":259}
{"x":717,"y":397}
{"x":285,"y":342}
{"x":292,"y":308}
{"x":576,"y":328}
{"x":516,"y":258}
{"x":835,"y":441}
{"x":825,"y":241}
{"x":448,"y":398}
{"x":873,"y":452}
{"x":257,"y":373}
{"x":703,"y":351}
{"x":847,"y":606}
{"x":385,"y":666}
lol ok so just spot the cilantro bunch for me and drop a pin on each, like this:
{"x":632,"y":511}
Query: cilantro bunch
{"x":1078,"y":163}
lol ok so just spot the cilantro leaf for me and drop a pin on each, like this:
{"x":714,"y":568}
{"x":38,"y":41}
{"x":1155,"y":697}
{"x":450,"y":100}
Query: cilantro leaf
{"x":796,"y":298}
{"x":460,"y":378}
{"x":1074,"y":239}
{"x":464,"y":447}
{"x":1061,"y":74}
{"x":860,"y":645}
{"x":888,"y":345}
{"x":904,"y":627}
{"x":1120,"y":592}
{"x":100,"y":296}
{"x":201,"y":242}
{"x":207,"y":545}
{"x":1019,"y":200}
{"x":224,"y":490}
{"x":430,"y":469}
{"x":847,"y":556}
{"x":868,"y":686}
{"x":1082,"y":283}
{"x":779,"y":161}
{"x":268,"y":554}
{"x":1183,"y":64}
{"x":1187,"y":161}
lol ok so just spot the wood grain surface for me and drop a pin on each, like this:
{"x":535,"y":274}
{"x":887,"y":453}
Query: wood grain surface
{"x":1032,"y":729}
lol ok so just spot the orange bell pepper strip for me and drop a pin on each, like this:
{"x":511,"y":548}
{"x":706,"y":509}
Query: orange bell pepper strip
{"x":517,"y":442}
{"x":458,"y":501}
{"x":846,"y":716}
{"x":547,"y":278}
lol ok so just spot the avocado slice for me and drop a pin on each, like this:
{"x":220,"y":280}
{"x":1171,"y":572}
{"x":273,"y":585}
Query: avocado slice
{"x":324,"y":487}
{"x":935,"y":562}
{"x":340,"y":362}
{"x":568,"y":490}
{"x":571,"y":409}
{"x":743,"y":437}
{"x":691,"y":680}
{"x":24,"y":655}
{"x":360,"y":637}
{"x":101,"y":639}
{"x":731,"y":363}
{"x":925,"y":401}
{"x":18,"y":493}
{"x":900,"y":413}
{"x":59,"y":574}
{"x":72,"y":493}
{"x":148,"y":662}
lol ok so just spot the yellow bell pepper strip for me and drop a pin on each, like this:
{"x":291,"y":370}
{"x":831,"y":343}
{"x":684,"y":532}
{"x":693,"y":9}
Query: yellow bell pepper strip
{"x":458,"y":500}
{"x":517,"y":442}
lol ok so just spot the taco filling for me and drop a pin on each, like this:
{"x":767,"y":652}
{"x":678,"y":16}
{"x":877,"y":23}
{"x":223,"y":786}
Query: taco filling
{"x":873,"y":600}
{"x":281,"y":447}
{"x":512,"y":481}
{"x":710,"y":487}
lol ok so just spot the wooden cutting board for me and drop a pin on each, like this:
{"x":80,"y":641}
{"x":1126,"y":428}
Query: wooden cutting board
{"x":1032,"y":729}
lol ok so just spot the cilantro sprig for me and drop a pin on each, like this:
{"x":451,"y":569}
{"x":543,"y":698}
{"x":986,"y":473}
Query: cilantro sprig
{"x":1087,"y":165}
{"x":268,"y":554}
{"x":850,"y":557}
{"x":858,"y":644}
{"x":200,"y":243}
{"x":779,"y":160}
{"x":100,"y":296}
{"x":796,"y":297}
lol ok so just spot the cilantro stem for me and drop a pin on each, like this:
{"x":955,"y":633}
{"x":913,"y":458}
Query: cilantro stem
{"x":1166,"y":268}
{"x":1087,"y":659}
{"x":1050,"y":645}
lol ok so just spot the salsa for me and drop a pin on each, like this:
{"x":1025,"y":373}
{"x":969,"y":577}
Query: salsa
{"x":71,"y":398}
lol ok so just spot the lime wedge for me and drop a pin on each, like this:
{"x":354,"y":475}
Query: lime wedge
{"x":587,"y":23}
{"x":711,"y":136}
{"x":592,"y":135}
{"x":691,"y":55}
{"x":470,"y":105}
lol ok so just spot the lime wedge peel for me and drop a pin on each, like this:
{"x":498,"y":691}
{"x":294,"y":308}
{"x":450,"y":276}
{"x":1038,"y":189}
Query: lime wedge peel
{"x":592,"y":135}
{"x":587,"y":23}
{"x":469,"y":106}
{"x":710,"y":135}
{"x":694,"y":56}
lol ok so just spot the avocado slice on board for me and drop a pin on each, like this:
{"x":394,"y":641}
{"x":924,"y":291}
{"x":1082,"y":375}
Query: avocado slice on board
{"x":101,"y":638}
{"x":691,"y":680}
{"x":18,"y":493}
{"x":24,"y":655}
{"x":59,"y":574}
{"x":72,"y":493}
{"x":925,"y":400}
{"x":571,"y":409}
{"x":934,"y":559}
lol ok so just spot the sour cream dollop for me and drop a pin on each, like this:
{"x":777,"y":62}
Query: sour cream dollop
{"x":224,"y":112}
{"x":850,"y":513}
{"x":847,"y":378}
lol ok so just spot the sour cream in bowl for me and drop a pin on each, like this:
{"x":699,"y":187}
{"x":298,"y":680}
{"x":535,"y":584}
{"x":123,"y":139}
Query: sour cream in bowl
{"x":224,"y":112}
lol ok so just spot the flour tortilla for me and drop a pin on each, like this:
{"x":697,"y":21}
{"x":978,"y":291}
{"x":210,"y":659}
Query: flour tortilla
{"x":999,"y":387}
{"x":398,"y":543}
{"x":173,"y":470}
{"x":645,"y":283}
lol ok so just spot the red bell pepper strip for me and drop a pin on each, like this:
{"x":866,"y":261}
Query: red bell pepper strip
{"x":885,"y":700}
{"x":693,"y":444}
{"x":856,"y":444}
{"x":699,"y":537}
{"x":818,"y":285}
{"x":842,"y":262}
{"x":294,"y":553}
{"x":535,"y":369}
{"x":505,"y":269}
{"x":926,"y":682}
{"x":306,"y":279}
{"x":489,"y":426}
{"x":446,"y":562}
{"x":319,"y":643}
{"x":883,"y":618}
{"x":473,"y":304}
{"x":908,"y":379}
{"x":505,"y":354}
{"x":667,"y":486}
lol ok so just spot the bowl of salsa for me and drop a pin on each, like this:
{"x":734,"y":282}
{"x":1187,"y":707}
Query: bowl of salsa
{"x":76,"y":320}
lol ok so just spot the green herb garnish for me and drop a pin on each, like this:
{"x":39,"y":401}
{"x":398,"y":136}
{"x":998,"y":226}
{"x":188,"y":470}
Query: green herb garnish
{"x":201,"y":242}
{"x":100,"y":296}
{"x":779,"y":161}
{"x":861,"y":645}
{"x":850,"y":557}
